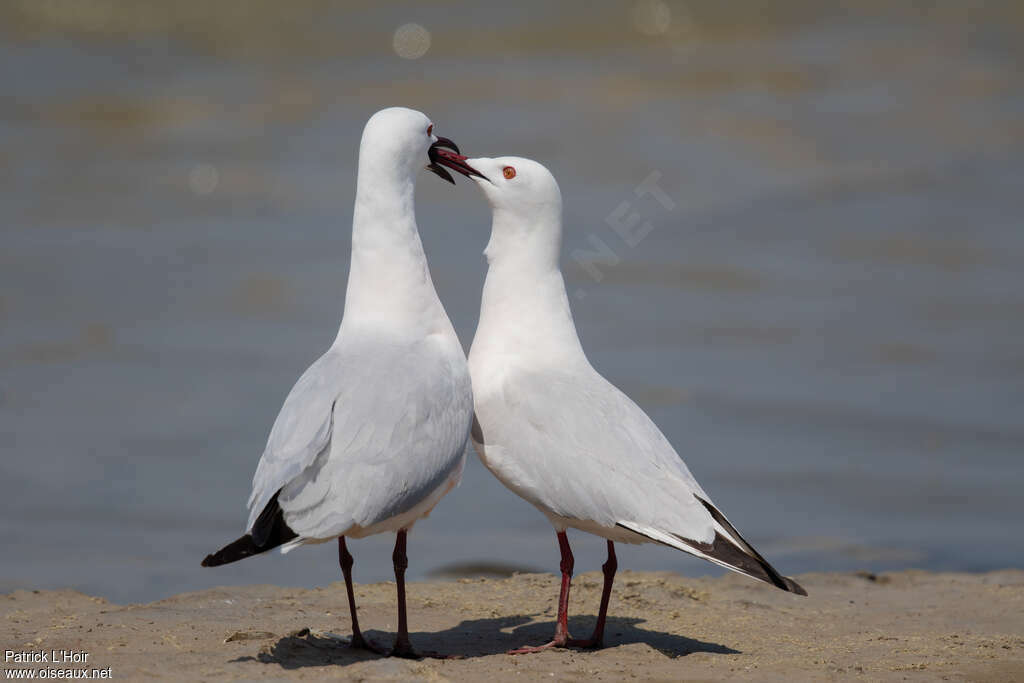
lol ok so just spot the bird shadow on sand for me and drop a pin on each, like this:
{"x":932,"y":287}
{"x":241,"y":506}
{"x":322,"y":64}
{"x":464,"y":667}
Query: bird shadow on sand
{"x":620,"y":631}
{"x":474,"y":638}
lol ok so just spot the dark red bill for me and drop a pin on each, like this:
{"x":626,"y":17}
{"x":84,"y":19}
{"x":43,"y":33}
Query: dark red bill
{"x":443,"y":153}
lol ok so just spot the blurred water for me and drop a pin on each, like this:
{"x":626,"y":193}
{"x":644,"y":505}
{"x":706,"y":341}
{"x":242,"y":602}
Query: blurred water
{"x":827,"y":324}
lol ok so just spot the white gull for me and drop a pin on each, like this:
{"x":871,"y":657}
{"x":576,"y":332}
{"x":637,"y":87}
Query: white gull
{"x":374,"y":433}
{"x":556,"y":432}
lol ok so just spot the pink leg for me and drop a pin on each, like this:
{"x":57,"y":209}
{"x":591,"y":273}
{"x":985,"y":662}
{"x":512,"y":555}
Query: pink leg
{"x":561,"y":638}
{"x":609,"y":567}
{"x":345,"y":560}
{"x":403,"y":648}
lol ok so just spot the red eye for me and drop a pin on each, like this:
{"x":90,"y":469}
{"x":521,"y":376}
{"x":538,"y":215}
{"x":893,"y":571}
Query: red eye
{"x":509,"y":172}
{"x":430,"y":129}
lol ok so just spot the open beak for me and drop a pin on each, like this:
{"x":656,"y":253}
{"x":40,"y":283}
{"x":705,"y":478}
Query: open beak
{"x":443,"y":153}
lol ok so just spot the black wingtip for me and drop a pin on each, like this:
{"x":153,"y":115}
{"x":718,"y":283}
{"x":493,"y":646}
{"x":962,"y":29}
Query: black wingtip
{"x":743,"y":556}
{"x":794,"y":587}
{"x":238,"y":549}
{"x":269,"y":531}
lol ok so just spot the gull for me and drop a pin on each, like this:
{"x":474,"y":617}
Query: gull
{"x":556,"y":432}
{"x":375,"y":432}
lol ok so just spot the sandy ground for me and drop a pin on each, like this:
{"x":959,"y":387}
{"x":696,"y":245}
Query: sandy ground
{"x":902,"y":626}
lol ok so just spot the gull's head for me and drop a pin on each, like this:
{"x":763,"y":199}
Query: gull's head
{"x":520,"y":186}
{"x":400,"y":141}
{"x":526,"y":203}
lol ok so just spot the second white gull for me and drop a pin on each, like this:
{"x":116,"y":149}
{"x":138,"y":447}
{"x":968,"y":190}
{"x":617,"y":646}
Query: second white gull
{"x":556,"y":432}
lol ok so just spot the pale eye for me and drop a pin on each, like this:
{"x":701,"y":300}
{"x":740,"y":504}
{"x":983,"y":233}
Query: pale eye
{"x":509,"y":172}
{"x":430,"y":129}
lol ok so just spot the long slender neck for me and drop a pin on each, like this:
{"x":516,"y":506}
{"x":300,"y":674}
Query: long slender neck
{"x":389,"y":280}
{"x":525,"y":317}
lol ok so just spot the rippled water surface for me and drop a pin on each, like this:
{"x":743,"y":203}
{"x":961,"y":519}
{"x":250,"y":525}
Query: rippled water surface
{"x":826,"y":316}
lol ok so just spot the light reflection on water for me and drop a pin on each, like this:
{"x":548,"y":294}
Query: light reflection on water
{"x":827,"y":325}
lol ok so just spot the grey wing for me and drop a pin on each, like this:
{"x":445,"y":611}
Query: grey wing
{"x":301,"y":431}
{"x":591,"y":453}
{"x":595,"y":455}
{"x":399,"y":433}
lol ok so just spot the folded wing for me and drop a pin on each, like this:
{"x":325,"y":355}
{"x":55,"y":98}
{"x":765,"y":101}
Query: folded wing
{"x":588,"y":452}
{"x":390,"y":431}
{"x":301,"y":431}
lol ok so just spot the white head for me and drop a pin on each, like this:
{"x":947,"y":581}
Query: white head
{"x":526,"y":206}
{"x":397,"y":142}
{"x":389,"y":278}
